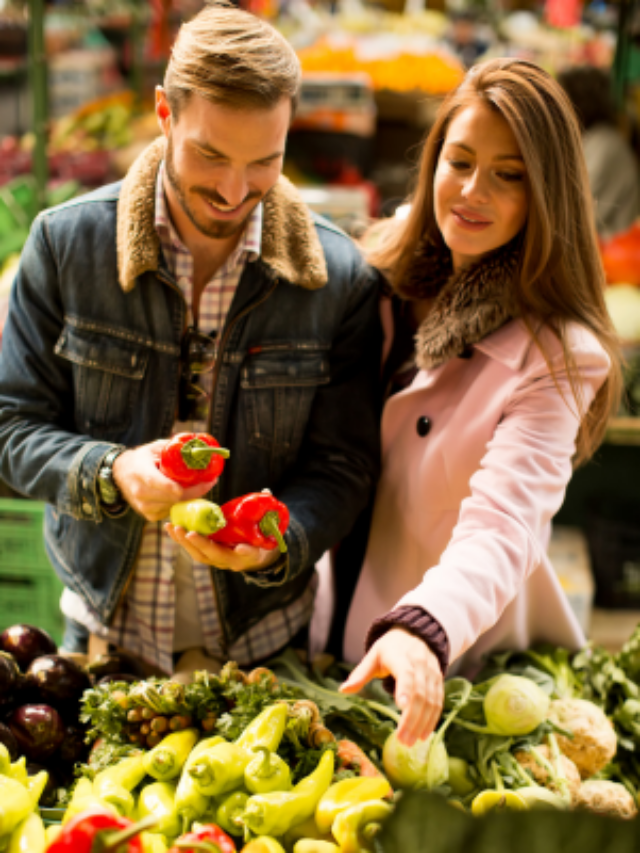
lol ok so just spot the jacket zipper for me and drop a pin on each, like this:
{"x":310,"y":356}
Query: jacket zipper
{"x":224,"y":644}
{"x":166,"y":280}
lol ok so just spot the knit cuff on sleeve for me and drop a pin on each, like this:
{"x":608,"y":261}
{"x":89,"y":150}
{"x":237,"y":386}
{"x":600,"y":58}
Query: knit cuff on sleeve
{"x":419,"y":622}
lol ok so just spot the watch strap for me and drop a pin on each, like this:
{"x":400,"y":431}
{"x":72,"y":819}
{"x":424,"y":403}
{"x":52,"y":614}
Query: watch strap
{"x":109,"y":492}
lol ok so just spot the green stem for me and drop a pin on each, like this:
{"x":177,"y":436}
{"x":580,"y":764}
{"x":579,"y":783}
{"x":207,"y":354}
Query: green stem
{"x":299,"y":679}
{"x":269,"y":526}
{"x":196,"y":455}
{"x":265,"y":771}
{"x":198,"y":845}
{"x":497,"y":778}
{"x":472,"y":727}
{"x":115,"y":839}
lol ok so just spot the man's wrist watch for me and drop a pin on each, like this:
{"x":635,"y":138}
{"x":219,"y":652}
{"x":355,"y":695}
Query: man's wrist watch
{"x":110,"y":494}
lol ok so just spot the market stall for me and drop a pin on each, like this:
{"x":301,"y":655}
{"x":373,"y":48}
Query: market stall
{"x":540,"y":748}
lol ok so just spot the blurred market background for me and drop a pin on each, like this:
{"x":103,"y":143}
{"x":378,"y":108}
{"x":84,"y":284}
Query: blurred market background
{"x":76,"y":107}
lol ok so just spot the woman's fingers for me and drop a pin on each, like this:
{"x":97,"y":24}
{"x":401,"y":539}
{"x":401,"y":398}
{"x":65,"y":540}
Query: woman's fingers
{"x":367,"y":669}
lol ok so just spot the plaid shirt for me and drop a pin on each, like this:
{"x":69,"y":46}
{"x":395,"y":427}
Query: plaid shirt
{"x":167,"y":583}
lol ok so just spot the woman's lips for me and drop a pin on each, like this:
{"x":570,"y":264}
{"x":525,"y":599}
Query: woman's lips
{"x":470,"y":221}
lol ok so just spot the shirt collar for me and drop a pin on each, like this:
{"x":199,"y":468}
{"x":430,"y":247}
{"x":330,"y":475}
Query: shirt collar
{"x":248,"y":248}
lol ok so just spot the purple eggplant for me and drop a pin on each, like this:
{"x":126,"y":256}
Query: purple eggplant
{"x":10,"y":681}
{"x":119,"y":676}
{"x":26,"y":643}
{"x":58,"y":681}
{"x":8,"y":739}
{"x":38,"y":729}
{"x":73,"y":748}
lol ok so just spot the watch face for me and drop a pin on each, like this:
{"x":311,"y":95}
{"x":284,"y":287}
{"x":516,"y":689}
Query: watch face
{"x":109,"y":492}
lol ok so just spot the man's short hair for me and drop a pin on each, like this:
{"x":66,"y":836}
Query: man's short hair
{"x":233,"y":58}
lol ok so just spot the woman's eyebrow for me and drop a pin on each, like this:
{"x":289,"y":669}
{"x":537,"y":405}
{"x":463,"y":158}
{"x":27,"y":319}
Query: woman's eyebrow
{"x":497,"y":157}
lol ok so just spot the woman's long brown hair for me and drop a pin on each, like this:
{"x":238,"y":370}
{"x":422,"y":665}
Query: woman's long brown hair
{"x":560,"y":273}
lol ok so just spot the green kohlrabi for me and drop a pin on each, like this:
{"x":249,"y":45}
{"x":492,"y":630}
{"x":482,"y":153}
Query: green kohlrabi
{"x":515,"y":706}
{"x":425,"y":764}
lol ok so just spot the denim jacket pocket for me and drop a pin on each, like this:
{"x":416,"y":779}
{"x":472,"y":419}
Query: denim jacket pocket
{"x":107,"y":372}
{"x":278,"y":386}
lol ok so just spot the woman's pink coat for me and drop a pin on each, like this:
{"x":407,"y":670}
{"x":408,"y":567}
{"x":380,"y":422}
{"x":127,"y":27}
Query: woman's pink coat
{"x":462,"y":516}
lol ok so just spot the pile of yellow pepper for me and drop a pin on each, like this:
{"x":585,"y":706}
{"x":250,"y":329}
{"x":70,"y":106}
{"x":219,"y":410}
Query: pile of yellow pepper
{"x":405,"y":72}
{"x":21,"y":827}
{"x":243,"y":787}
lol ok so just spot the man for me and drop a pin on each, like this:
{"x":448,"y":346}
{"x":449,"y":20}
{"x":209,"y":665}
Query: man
{"x":199,"y":294}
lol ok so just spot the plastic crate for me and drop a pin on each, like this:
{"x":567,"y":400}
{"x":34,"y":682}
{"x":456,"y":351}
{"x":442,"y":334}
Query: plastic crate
{"x":29,"y":588}
{"x":613,"y":534}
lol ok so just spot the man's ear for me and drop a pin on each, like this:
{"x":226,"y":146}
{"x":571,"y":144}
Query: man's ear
{"x":163,"y":110}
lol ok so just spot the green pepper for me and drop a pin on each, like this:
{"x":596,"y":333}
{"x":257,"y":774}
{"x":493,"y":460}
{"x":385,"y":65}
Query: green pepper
{"x":52,"y":832}
{"x":355,"y":827}
{"x":36,"y":785}
{"x":221,"y":768}
{"x":18,"y":771}
{"x":199,"y":515}
{"x":267,"y":772}
{"x":497,"y":799}
{"x":349,"y":792}
{"x":315,"y":845}
{"x":263,"y":844}
{"x":158,"y":799}
{"x":190,"y":803}
{"x":307,"y":829}
{"x":28,"y":836}
{"x":15,"y":804}
{"x":166,"y":760}
{"x":231,"y":808}
{"x":278,"y":811}
{"x":5,"y":760}
{"x":114,"y":784}
{"x":494,"y":800}
{"x":153,"y":842}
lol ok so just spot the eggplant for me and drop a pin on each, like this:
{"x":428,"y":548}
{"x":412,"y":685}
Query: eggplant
{"x":38,"y":729}
{"x":7,"y":738}
{"x":112,"y":664}
{"x":119,"y":676}
{"x":58,"y":681}
{"x":26,"y":643}
{"x":73,"y":748}
{"x":10,"y":681}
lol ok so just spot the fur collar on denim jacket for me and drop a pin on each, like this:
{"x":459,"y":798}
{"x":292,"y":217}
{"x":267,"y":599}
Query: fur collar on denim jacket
{"x":290,"y":245}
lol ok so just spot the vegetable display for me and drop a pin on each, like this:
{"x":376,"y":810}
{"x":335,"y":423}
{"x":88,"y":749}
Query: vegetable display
{"x":191,"y":458}
{"x":279,"y":760}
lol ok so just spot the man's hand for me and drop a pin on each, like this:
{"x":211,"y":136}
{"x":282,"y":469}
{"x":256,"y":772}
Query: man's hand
{"x":144,"y":488}
{"x":419,"y":681}
{"x":242,"y":558}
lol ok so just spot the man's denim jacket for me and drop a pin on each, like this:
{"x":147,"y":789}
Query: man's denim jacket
{"x":90,"y":359}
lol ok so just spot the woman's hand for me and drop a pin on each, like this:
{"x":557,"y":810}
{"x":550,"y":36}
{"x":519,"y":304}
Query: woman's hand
{"x":241,"y":558}
{"x":419,"y":681}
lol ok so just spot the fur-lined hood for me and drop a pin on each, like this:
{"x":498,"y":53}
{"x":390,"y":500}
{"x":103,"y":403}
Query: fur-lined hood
{"x":290,"y":245}
{"x":469,"y":304}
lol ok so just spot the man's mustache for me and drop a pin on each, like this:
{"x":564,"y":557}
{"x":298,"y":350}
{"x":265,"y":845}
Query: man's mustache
{"x":216,"y":198}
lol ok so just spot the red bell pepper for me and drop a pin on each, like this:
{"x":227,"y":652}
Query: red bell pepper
{"x":207,"y":837}
{"x":191,"y":458}
{"x":256,"y":519}
{"x":99,"y":830}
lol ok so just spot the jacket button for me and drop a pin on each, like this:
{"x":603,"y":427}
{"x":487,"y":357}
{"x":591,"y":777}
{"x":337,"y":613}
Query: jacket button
{"x":423,"y":426}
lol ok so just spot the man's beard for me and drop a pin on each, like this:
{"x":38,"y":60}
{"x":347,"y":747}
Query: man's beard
{"x":208,"y":227}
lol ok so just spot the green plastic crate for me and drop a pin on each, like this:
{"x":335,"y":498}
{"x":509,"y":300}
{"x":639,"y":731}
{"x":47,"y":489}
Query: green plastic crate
{"x":29,"y":588}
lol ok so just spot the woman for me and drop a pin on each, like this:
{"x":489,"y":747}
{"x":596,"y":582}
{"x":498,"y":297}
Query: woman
{"x":495,"y":275}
